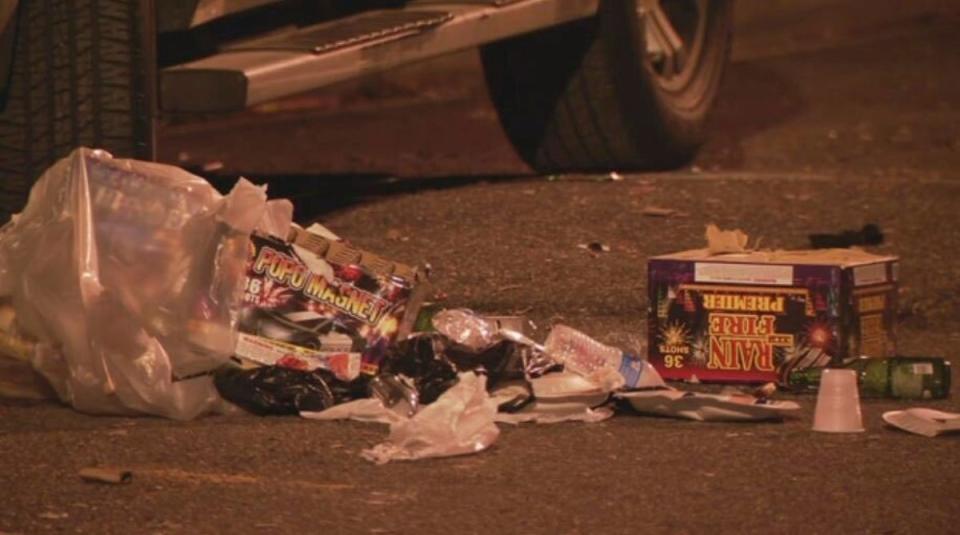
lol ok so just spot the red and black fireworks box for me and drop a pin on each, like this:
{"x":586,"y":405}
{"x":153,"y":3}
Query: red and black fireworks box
{"x":757,"y":316}
{"x":314,"y":302}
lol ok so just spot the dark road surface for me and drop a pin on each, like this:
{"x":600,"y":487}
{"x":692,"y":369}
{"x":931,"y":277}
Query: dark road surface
{"x":833,"y":115}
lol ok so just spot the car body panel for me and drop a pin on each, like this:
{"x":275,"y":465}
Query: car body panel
{"x":259,"y":71}
{"x":177,"y":15}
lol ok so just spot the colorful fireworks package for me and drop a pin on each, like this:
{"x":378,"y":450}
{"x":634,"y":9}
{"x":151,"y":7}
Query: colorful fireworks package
{"x":316,"y":302}
{"x":757,"y":316}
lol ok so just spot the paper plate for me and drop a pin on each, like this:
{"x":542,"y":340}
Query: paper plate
{"x":926,"y":422}
{"x":564,"y":385}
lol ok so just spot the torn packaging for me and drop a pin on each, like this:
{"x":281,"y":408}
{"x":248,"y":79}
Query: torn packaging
{"x":128,"y":274}
{"x":312,"y":302}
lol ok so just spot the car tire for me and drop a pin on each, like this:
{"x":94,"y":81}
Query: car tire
{"x":605,"y":93}
{"x":83,"y":75}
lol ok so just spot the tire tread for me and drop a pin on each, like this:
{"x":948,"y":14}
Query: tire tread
{"x":81,"y":77}
{"x":576,"y":98}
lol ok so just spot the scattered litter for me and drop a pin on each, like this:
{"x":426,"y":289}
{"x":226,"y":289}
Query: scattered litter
{"x":565,"y":385}
{"x":509,"y":287}
{"x":670,"y":402}
{"x":595,"y":247}
{"x":53,"y":515}
{"x":556,"y":411}
{"x":113,"y":476}
{"x":541,"y":413}
{"x":18,"y":379}
{"x":656,"y":211}
{"x":552,"y":398}
{"x":467,"y":329}
{"x":459,"y":422}
{"x":215,"y":165}
{"x":765,"y":391}
{"x":725,"y":241}
{"x":900,"y":377}
{"x":161,"y":296}
{"x":869,"y":235}
{"x":838,"y":403}
{"x":608,"y":368}
{"x":281,"y":390}
{"x":370,"y":410}
{"x":922,"y":421}
{"x":397,"y":393}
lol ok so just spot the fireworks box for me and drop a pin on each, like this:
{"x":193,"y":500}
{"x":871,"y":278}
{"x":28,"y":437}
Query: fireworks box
{"x":314,"y":302}
{"x":757,"y":316}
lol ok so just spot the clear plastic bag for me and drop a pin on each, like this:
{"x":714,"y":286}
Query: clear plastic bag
{"x":129,"y":274}
{"x":459,"y":422}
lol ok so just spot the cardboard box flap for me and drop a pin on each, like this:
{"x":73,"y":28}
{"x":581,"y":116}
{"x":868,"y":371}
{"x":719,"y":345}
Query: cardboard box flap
{"x":831,"y":257}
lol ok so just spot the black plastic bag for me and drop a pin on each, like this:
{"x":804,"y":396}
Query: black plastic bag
{"x":278,"y":390}
{"x":421,"y":358}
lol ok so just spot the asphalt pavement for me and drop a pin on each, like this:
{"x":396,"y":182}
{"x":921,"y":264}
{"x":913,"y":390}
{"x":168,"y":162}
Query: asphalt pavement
{"x":833,"y":114}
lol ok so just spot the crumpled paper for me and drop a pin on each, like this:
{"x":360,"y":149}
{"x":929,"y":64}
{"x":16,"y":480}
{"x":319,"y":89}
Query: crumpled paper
{"x":725,"y":241}
{"x":459,"y":422}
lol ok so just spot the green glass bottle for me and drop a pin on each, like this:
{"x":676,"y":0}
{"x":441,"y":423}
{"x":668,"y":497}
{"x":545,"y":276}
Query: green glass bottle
{"x":888,"y":377}
{"x":424,"y":321}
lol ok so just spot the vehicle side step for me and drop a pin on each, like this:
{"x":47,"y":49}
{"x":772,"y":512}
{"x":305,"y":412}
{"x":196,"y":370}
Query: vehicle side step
{"x":497,"y":3}
{"x":352,"y":31}
{"x":299,"y":60}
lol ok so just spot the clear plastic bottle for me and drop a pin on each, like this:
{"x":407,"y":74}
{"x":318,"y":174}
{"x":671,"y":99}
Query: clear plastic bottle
{"x":605,"y":365}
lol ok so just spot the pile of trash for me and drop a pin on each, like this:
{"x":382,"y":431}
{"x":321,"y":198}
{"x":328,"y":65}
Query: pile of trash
{"x":136,"y":288}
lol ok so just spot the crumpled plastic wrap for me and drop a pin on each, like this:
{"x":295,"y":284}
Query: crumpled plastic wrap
{"x":128,"y":274}
{"x":467,"y":329}
{"x":551,"y":398}
{"x":460,"y":422}
{"x":569,"y":414}
{"x":704,"y":407}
